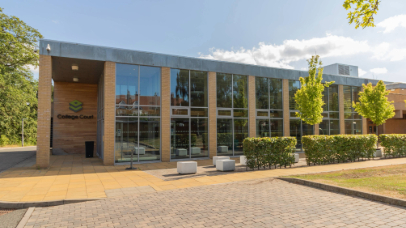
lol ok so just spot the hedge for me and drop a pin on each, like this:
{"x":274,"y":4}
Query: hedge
{"x":320,"y":149}
{"x":263,"y":152}
{"x":395,"y":144}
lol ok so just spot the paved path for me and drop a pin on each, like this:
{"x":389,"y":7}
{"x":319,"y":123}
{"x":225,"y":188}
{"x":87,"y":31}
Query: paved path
{"x":75,"y":177}
{"x":13,"y":157}
{"x":255,"y":203}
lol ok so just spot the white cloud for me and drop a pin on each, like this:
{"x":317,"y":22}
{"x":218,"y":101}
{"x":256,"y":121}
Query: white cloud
{"x":392,"y":23}
{"x":361,"y":72}
{"x":385,"y":51}
{"x":291,"y":50}
{"x":304,"y":68}
{"x":55,"y":21}
{"x":382,"y":70}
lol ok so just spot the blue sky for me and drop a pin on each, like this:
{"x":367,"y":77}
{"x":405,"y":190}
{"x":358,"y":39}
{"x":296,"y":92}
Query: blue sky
{"x":271,"y":33}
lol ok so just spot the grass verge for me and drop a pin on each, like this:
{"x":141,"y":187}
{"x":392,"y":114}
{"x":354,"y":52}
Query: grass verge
{"x":386,"y":180}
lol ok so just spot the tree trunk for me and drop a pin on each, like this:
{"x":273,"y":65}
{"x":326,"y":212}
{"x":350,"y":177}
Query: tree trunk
{"x":377,"y":133}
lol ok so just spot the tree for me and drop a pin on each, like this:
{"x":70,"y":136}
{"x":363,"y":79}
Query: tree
{"x":309,"y":98}
{"x":18,"y":88}
{"x":363,"y":14}
{"x":374,"y":105}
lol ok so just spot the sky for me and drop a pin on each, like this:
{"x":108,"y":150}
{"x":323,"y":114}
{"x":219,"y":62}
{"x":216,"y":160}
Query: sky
{"x":279,"y":34}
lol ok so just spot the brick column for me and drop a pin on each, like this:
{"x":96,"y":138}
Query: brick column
{"x":341,"y":108}
{"x":316,"y":129}
{"x":212,"y":115}
{"x":166,"y":114}
{"x":252,"y":132}
{"x":44,"y":111}
{"x":109,"y":112}
{"x":365,"y":126}
{"x":285,"y":97}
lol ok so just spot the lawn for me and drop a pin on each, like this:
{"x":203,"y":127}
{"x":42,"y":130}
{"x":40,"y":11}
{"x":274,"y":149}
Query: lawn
{"x":386,"y":180}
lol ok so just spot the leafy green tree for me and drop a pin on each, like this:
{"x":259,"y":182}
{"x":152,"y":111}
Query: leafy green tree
{"x":374,"y":105}
{"x":18,"y":88}
{"x":363,"y":13}
{"x":309,"y":98}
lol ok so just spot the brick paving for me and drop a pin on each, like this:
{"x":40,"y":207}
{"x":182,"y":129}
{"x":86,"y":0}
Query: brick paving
{"x":263,"y":202}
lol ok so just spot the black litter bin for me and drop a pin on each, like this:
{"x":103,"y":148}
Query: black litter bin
{"x":89,"y":149}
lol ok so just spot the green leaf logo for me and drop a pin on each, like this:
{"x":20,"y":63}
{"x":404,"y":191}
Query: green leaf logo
{"x":75,"y":106}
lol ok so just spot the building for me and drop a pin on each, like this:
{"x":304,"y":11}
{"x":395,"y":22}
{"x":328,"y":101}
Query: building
{"x":397,"y":124}
{"x":165,"y":108}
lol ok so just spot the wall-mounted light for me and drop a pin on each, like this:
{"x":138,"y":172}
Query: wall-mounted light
{"x":75,"y":67}
{"x":48,"y":48}
{"x":75,"y":79}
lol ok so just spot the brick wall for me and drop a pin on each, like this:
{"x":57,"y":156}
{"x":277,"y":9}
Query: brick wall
{"x":285,"y":96}
{"x":251,"y":108}
{"x":341,"y":108}
{"x":109,"y":112}
{"x":44,"y":111}
{"x":70,"y":135}
{"x":212,"y":115}
{"x":165,"y":113}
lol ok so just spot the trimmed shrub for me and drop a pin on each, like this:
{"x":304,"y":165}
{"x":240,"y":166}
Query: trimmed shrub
{"x":322,"y":149}
{"x":267,"y":152}
{"x":395,"y":144}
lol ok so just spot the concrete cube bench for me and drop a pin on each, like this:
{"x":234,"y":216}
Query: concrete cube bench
{"x":243,"y":160}
{"x":296,"y":157}
{"x":187,"y":167}
{"x":195,"y":150}
{"x":215,"y":158}
{"x":225,"y":165}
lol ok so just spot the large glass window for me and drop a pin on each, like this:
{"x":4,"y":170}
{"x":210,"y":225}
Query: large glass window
{"x":138,"y":101}
{"x":353,"y":121}
{"x":269,"y":112}
{"x":331,"y":123}
{"x":189,"y":112}
{"x":293,"y":87}
{"x":232,"y":113}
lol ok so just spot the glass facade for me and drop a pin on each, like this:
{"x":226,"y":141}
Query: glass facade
{"x":189,"y":114}
{"x":269,"y":110}
{"x":331,"y":123}
{"x":138,"y":101}
{"x":352,"y":120}
{"x":232,"y":113}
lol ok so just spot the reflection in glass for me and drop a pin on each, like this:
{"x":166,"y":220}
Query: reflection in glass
{"x":123,"y":110}
{"x":295,"y":131}
{"x":179,"y":138}
{"x":224,"y":112}
{"x":334,"y":127}
{"x":198,"y":112}
{"x":150,"y":89}
{"x":126,"y":139}
{"x":224,"y":137}
{"x":240,"y":91}
{"x":179,"y":87}
{"x":276,"y":128}
{"x":334,"y":115}
{"x":240,"y":113}
{"x":149,"y":145}
{"x":324,"y":127}
{"x":353,"y":127}
{"x":150,"y":111}
{"x":262,"y":113}
{"x":276,"y":114}
{"x":198,"y":88}
{"x":261,"y":93}
{"x":293,"y":87}
{"x":240,"y":133}
{"x":333,"y":98}
{"x":224,"y":90}
{"x":347,"y":99}
{"x":126,"y":84}
{"x":275,"y":86}
{"x":262,"y":128}
{"x":180,"y":111}
{"x":199,"y":138}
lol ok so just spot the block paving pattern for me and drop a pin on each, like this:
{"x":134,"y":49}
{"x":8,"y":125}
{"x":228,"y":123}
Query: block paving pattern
{"x":256,"y":203}
{"x":76,"y":177}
